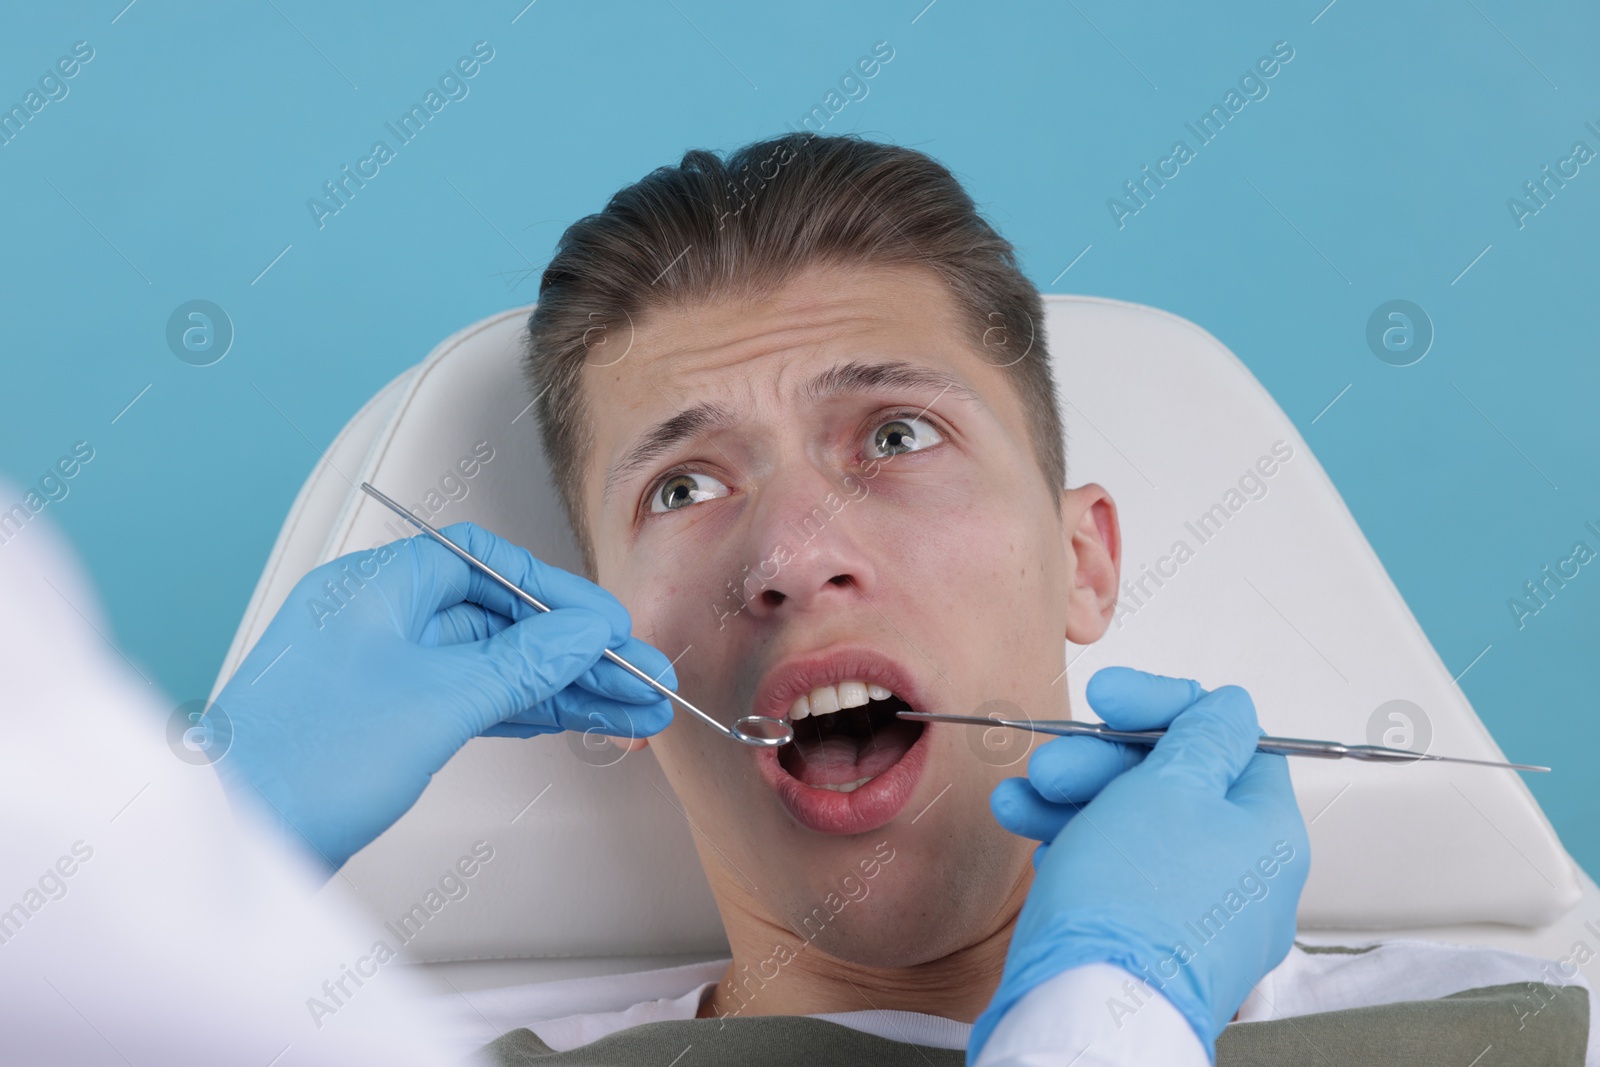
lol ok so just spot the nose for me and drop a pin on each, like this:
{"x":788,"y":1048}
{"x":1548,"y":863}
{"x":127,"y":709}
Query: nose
{"x":810,"y":532}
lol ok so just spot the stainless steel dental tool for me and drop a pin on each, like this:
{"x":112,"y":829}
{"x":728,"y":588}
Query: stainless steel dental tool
{"x":770,"y":732}
{"x":1283,"y":746}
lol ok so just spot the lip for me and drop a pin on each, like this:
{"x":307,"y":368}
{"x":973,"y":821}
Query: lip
{"x":880,"y":800}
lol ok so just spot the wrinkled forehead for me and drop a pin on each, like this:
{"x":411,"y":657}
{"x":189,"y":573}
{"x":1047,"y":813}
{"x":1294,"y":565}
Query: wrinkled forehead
{"x":743,"y":357}
{"x":697,"y":344}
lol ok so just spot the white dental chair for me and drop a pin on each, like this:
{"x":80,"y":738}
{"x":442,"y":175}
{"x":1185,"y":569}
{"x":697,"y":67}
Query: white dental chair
{"x":593,"y":869}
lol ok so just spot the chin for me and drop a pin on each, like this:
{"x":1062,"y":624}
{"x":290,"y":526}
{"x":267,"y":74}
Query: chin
{"x":926,"y":903}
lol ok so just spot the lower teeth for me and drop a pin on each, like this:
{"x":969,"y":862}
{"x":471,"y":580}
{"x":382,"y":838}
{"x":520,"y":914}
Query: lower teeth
{"x":847,"y":787}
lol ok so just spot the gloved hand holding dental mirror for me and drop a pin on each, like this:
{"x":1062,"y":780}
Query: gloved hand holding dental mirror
{"x":339,"y":722}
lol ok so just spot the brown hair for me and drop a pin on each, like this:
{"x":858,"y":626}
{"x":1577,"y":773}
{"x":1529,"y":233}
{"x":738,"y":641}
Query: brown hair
{"x":709,"y":228}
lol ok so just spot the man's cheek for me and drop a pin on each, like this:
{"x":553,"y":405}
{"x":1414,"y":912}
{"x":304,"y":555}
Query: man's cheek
{"x":959,"y":547}
{"x":655,"y":596}
{"x":672,"y":589}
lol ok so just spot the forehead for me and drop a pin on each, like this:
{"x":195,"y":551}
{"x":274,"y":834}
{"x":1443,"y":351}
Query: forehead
{"x":824,"y":311}
{"x":742,"y":352}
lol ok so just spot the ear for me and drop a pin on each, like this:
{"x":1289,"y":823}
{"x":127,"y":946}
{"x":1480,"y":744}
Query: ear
{"x":1092,"y":542}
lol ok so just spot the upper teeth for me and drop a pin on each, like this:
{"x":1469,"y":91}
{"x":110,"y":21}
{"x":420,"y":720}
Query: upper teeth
{"x":826,"y":699}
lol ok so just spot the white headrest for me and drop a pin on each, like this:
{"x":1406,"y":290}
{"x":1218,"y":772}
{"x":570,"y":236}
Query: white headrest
{"x":1242,"y":563}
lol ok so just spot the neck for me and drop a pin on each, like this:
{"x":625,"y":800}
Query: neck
{"x":776,"y":972}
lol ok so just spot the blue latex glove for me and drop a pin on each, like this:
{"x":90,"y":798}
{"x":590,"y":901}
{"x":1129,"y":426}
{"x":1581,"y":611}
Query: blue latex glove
{"x":381,"y":664}
{"x":1182,"y":864}
{"x":1066,"y":773}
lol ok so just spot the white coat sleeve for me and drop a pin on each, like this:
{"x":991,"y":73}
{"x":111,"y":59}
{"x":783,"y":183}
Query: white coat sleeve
{"x":1098,"y":1014}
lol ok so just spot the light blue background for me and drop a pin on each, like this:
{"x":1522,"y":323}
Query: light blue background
{"x":1381,"y":164}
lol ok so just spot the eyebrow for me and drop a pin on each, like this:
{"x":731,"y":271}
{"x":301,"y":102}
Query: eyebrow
{"x":845,"y":378}
{"x":857,"y":377}
{"x":685,"y":425}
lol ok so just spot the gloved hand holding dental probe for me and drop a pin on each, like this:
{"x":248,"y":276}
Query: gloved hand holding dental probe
{"x":1182,"y":864}
{"x":394,"y":658}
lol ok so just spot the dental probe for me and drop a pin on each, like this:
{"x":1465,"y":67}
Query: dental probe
{"x":781,"y":733}
{"x":1282,"y":746}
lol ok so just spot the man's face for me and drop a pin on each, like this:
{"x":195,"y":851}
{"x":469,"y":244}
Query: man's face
{"x":843,"y":500}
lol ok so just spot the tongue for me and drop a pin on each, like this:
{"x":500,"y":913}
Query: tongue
{"x":840,"y":759}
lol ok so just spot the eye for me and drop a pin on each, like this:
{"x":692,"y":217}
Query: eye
{"x":686,"y":488}
{"x":900,"y":435}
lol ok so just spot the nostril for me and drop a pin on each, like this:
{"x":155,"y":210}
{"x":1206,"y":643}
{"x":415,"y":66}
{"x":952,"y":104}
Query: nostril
{"x":840,"y":579}
{"x":772,"y":598}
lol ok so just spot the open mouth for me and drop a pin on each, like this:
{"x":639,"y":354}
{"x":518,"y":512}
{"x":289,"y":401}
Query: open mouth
{"x":846,"y":735}
{"x":853,"y":765}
